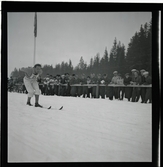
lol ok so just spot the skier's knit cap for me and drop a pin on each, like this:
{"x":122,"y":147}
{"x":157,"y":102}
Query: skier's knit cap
{"x":133,"y":70}
{"x":126,"y":74}
{"x":146,"y":73}
{"x":39,"y":65}
{"x":115,"y":72}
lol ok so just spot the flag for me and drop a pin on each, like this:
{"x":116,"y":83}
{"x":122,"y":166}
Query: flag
{"x":35,"y":25}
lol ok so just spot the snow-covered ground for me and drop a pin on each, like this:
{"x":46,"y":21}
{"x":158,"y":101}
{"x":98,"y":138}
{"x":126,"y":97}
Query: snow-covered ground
{"x":86,"y":130}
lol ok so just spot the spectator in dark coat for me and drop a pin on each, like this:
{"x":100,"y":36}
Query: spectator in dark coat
{"x":136,"y":80}
{"x":102,"y":88}
{"x":133,"y":73}
{"x":94,"y":81}
{"x":148,"y":81}
{"x":143,"y":89}
{"x":57,"y":85}
{"x":110,"y":89}
{"x":46,"y":84}
{"x":89,"y":91}
{"x":62,"y":86}
{"x":73,"y":91}
{"x":51,"y":85}
{"x":105,"y":81}
{"x":85,"y":88}
{"x":67,"y":81}
{"x":79,"y":88}
{"x":98,"y":89}
{"x":128,"y":90}
{"x":120,"y":89}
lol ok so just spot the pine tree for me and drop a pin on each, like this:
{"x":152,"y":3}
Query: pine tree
{"x":139,"y":49}
{"x":96,"y":66}
{"x":104,"y":62}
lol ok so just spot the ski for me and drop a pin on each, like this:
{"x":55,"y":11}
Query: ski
{"x":47,"y":107}
{"x":50,"y":107}
{"x":61,"y":108}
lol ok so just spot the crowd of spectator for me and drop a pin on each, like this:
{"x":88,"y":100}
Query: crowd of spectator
{"x":62,"y":85}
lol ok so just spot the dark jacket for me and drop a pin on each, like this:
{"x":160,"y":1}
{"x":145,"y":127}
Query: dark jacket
{"x":62,"y":81}
{"x":106,"y":80}
{"x":127,"y":80}
{"x":148,"y":81}
{"x":142,"y":80}
{"x":137,"y":80}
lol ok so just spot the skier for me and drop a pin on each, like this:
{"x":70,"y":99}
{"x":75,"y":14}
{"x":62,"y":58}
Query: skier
{"x":31,"y":84}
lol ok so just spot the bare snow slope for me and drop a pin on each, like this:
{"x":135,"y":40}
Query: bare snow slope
{"x":86,"y":130}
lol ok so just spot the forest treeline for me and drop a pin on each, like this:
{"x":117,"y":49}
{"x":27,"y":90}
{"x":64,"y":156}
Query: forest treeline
{"x":138,"y":55}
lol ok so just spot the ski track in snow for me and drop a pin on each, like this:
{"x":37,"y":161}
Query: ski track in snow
{"x":86,"y":130}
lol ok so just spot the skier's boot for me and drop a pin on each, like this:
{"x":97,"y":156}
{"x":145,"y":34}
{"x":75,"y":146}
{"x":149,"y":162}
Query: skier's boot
{"x":28,"y":103}
{"x":37,"y":105}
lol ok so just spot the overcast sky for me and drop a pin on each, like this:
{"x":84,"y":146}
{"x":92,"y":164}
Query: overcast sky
{"x":64,"y":36}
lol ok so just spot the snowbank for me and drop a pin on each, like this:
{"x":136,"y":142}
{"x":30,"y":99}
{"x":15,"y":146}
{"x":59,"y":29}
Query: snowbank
{"x":86,"y":130}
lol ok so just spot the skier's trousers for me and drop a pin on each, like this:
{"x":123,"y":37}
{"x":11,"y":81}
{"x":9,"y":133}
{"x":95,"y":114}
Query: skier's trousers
{"x":32,"y":87}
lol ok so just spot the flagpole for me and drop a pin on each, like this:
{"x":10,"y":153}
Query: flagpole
{"x":34,"y":58}
{"x":35,"y":35}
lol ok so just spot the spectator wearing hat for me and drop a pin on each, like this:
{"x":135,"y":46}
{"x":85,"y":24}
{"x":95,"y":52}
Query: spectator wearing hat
{"x":62,"y":85}
{"x":142,"y":89}
{"x":101,"y":89}
{"x":89,"y":90}
{"x":54,"y":84}
{"x":114,"y":81}
{"x":46,"y":84}
{"x":79,"y":88}
{"x":133,"y":73}
{"x":148,"y":81}
{"x":57,"y":83}
{"x":110,"y":88}
{"x":105,"y":81}
{"x":121,"y":90}
{"x":73,"y":90}
{"x":51,"y":85}
{"x":67,"y":82}
{"x":94,"y":81}
{"x":85,"y":88}
{"x":136,"y":80}
{"x":128,"y":90}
